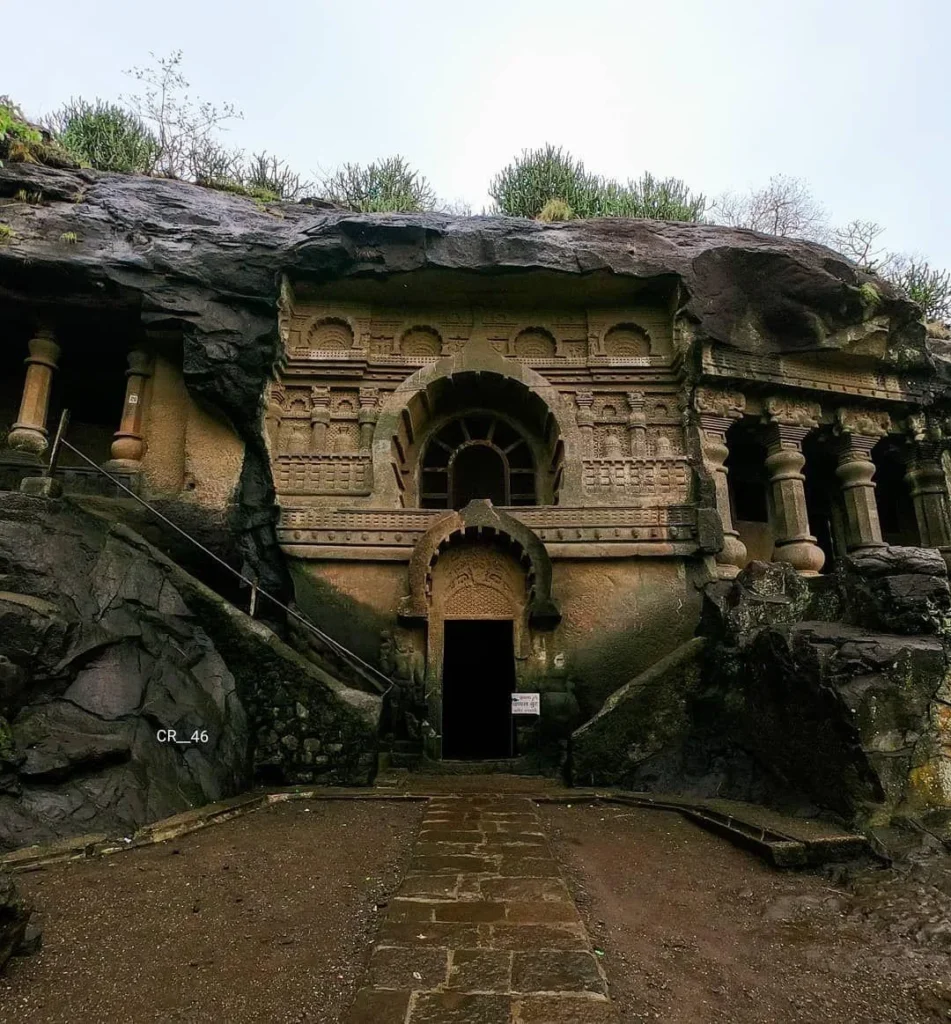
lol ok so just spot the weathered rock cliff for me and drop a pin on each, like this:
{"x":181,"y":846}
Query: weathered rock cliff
{"x":103,"y":643}
{"x":210,"y":263}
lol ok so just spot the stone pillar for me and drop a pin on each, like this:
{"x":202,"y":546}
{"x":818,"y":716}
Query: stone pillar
{"x":929,"y":492}
{"x":584,"y":400}
{"x":637,"y":424}
{"x":718,"y":411}
{"x":789,"y":423}
{"x":715,"y":452}
{"x":319,"y":418}
{"x":28,"y":434}
{"x":272,"y":418}
{"x":368,"y":415}
{"x":855,"y":472}
{"x":859,"y":431}
{"x":129,"y":444}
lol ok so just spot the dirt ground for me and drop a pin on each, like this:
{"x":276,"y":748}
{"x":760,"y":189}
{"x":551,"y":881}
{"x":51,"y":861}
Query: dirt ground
{"x":266,"y":918}
{"x":694,"y":931}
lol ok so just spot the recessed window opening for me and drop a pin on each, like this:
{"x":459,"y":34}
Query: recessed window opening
{"x":477,"y":456}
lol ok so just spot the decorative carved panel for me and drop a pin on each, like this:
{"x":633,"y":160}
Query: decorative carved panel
{"x":534,"y":343}
{"x":627,"y":340}
{"x":626,"y":479}
{"x":330,"y":335}
{"x":421,"y":341}
{"x":323,"y":474}
{"x":478,"y":582}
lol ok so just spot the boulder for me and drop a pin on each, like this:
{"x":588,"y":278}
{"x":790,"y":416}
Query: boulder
{"x":641,"y":725}
{"x":896,"y":590}
{"x":111,"y":645}
{"x":854,"y":716}
{"x":14,"y":918}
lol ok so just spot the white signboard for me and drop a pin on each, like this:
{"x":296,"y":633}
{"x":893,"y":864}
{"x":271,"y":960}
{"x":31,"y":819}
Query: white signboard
{"x":526,"y":703}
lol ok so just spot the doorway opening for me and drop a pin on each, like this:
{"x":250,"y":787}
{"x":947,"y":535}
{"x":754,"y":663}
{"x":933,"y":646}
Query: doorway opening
{"x":478,"y":679}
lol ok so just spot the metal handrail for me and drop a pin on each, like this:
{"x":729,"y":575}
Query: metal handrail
{"x":383,"y":682}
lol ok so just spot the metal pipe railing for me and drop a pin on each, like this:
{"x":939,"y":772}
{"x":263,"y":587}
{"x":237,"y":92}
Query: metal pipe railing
{"x":382,"y":682}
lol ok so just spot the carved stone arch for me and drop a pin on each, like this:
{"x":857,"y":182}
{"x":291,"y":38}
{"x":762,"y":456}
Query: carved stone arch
{"x":410,"y":408}
{"x":331,"y":334}
{"x":533,"y":342}
{"x":419,"y":340}
{"x":480,"y":519}
{"x":627,"y":340}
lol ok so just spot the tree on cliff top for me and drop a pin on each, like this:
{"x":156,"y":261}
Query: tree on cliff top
{"x":384,"y":186}
{"x":527,"y":185}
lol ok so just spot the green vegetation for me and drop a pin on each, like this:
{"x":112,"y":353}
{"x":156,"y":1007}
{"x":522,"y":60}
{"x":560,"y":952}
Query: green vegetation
{"x":262,"y":195}
{"x":69,"y":238}
{"x":532,"y":180}
{"x":23,"y":142}
{"x":7,"y":233}
{"x":105,"y":136}
{"x":924,"y":284}
{"x":555,"y":210}
{"x":386,"y":186}
{"x":13,"y":125}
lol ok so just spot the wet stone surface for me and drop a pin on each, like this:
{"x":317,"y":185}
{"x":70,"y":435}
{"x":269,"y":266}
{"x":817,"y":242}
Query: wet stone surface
{"x":483,"y":929}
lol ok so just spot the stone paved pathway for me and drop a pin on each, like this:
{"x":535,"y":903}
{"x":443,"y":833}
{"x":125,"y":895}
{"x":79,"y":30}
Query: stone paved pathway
{"x":483,"y":929}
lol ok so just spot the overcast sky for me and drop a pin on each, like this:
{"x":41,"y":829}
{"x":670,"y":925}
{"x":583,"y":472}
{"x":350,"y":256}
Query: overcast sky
{"x":852,"y":96}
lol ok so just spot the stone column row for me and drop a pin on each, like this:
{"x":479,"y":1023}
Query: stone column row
{"x":29,"y":434}
{"x":788,"y":422}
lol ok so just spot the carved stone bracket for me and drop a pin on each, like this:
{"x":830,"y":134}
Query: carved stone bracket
{"x":792,"y":412}
{"x":714,"y":402}
{"x":869,"y":422}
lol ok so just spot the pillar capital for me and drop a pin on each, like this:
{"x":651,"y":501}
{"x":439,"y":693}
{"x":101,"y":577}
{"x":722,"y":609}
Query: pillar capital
{"x":872,"y":423}
{"x":790,"y":413}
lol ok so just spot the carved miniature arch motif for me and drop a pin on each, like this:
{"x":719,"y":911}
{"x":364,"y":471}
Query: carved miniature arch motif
{"x":330,"y":334}
{"x":420,"y":340}
{"x":627,"y":340}
{"x":534,"y":343}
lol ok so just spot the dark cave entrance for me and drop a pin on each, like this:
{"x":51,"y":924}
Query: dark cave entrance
{"x":896,"y":510}
{"x":478,"y":679}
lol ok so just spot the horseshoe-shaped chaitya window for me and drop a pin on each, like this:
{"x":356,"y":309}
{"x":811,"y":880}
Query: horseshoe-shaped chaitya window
{"x":477,"y":455}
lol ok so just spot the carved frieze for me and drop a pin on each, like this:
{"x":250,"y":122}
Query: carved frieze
{"x":870,"y":422}
{"x":717,"y":402}
{"x":316,"y":526}
{"x":809,"y":372}
{"x":792,"y":412}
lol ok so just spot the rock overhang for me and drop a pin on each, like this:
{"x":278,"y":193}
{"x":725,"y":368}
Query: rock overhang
{"x":213,"y":261}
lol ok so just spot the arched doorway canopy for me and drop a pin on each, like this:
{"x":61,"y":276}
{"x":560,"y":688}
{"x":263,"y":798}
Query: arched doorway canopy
{"x":481,"y":520}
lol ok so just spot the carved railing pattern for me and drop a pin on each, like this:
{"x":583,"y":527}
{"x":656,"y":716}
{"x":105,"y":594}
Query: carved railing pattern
{"x":315,"y":525}
{"x":323,"y":474}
